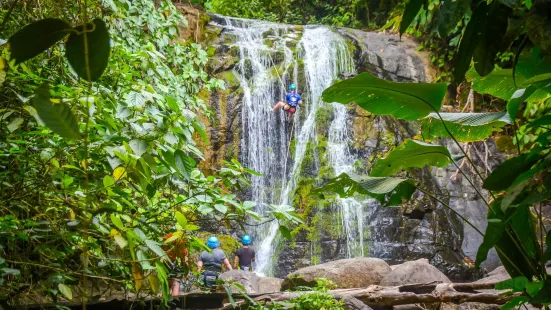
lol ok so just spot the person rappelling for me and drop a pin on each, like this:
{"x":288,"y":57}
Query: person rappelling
{"x":293,"y":100}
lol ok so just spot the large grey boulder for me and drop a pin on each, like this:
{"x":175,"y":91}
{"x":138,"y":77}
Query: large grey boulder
{"x":346,"y":273}
{"x":419,"y":271}
{"x":252,"y":283}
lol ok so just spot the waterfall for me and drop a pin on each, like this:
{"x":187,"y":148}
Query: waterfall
{"x":264,"y":70}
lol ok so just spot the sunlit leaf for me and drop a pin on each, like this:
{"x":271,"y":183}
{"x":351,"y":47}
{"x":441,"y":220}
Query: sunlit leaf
{"x":137,"y":275}
{"x":37,"y":37}
{"x":89,"y":57}
{"x":117,"y":221}
{"x":221,"y":208}
{"x":388,"y":191}
{"x":517,"y":99}
{"x":65,"y":290}
{"x":119,"y":239}
{"x":411,"y":154}
{"x":182,"y":220}
{"x":465,"y":127}
{"x":138,"y":146}
{"x":409,"y":101}
{"x":108,"y":181}
{"x":58,"y":117}
{"x":119,"y":173}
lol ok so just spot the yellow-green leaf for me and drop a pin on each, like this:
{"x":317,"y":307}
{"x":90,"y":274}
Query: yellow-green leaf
{"x":65,"y":290}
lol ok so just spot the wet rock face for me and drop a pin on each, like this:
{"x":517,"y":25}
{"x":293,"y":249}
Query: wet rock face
{"x":422,"y":229}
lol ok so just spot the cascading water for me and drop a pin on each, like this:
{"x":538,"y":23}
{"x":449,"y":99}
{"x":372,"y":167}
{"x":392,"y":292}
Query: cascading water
{"x":258,"y":60}
{"x":267,"y":135}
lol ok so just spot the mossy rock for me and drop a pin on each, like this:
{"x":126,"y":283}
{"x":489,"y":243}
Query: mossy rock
{"x":505,"y":144}
{"x":211,"y":50}
{"x":270,"y":33}
{"x":232,"y":82}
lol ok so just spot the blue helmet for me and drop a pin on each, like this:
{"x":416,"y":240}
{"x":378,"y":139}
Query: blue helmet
{"x":292,"y":87}
{"x":246,"y":240}
{"x":212,"y":242}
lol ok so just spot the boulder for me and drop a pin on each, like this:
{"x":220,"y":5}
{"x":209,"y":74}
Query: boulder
{"x":248,"y":279}
{"x":252,"y":283}
{"x":269,"y":285}
{"x":419,"y":271}
{"x":345,"y":273}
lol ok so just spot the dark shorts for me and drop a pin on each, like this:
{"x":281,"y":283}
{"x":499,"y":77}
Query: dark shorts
{"x":289,"y":108}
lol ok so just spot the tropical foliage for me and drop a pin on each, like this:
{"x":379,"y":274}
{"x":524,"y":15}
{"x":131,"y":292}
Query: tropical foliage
{"x":516,"y":190}
{"x":99,"y":123}
{"x":347,"y":13}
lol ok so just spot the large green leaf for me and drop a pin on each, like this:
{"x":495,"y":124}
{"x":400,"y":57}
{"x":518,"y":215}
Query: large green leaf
{"x":499,"y":83}
{"x":37,"y":37}
{"x":517,"y":99}
{"x":469,"y":40}
{"x":412,"y":9}
{"x":450,"y":13}
{"x":465,"y":127}
{"x":411,"y":154}
{"x":98,"y":49}
{"x":409,"y":101}
{"x":491,"y":37}
{"x":183,"y":163}
{"x":506,"y":173}
{"x":58,"y":117}
{"x":388,"y":191}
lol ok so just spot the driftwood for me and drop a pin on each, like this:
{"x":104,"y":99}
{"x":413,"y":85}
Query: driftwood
{"x":380,"y":296}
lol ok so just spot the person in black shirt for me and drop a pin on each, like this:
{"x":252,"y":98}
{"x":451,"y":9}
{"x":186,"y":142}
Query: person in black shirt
{"x":244,"y":257}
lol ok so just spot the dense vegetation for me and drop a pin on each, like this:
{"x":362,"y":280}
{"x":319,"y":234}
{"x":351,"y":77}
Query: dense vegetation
{"x":99,"y":142}
{"x":99,"y":123}
{"x":346,"y":13}
{"x":519,"y":188}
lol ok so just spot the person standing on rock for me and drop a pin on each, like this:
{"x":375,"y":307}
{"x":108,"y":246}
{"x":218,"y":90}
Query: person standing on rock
{"x":212,"y":263}
{"x":244,"y":257}
{"x":293,"y":101}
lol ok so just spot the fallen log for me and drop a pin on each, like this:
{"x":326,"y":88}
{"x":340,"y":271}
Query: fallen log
{"x":379,"y":296}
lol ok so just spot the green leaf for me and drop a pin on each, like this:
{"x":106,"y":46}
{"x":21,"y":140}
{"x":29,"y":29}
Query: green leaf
{"x":98,"y":49}
{"x":547,"y":254}
{"x":542,"y":121}
{"x":450,"y":13}
{"x":221,"y":208}
{"x":515,"y":302}
{"x":181,"y":219}
{"x":138,"y":146}
{"x":154,"y":246}
{"x":162,"y":275}
{"x":469,"y":40}
{"x":108,"y":181}
{"x":37,"y":37}
{"x":517,"y":99}
{"x":388,"y":191}
{"x":183,"y":163}
{"x":491,"y":37}
{"x":544,"y":295}
{"x":412,"y":9}
{"x":499,"y":83}
{"x":117,"y":221}
{"x":409,"y":101}
{"x":465,"y":127}
{"x":65,"y":290}
{"x":506,"y":173}
{"x":411,"y":154}
{"x":285,"y":232}
{"x":517,"y":284}
{"x":533,"y":288}
{"x":58,"y":117}
{"x":541,"y":80}
{"x":121,"y":242}
{"x":495,"y":229}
